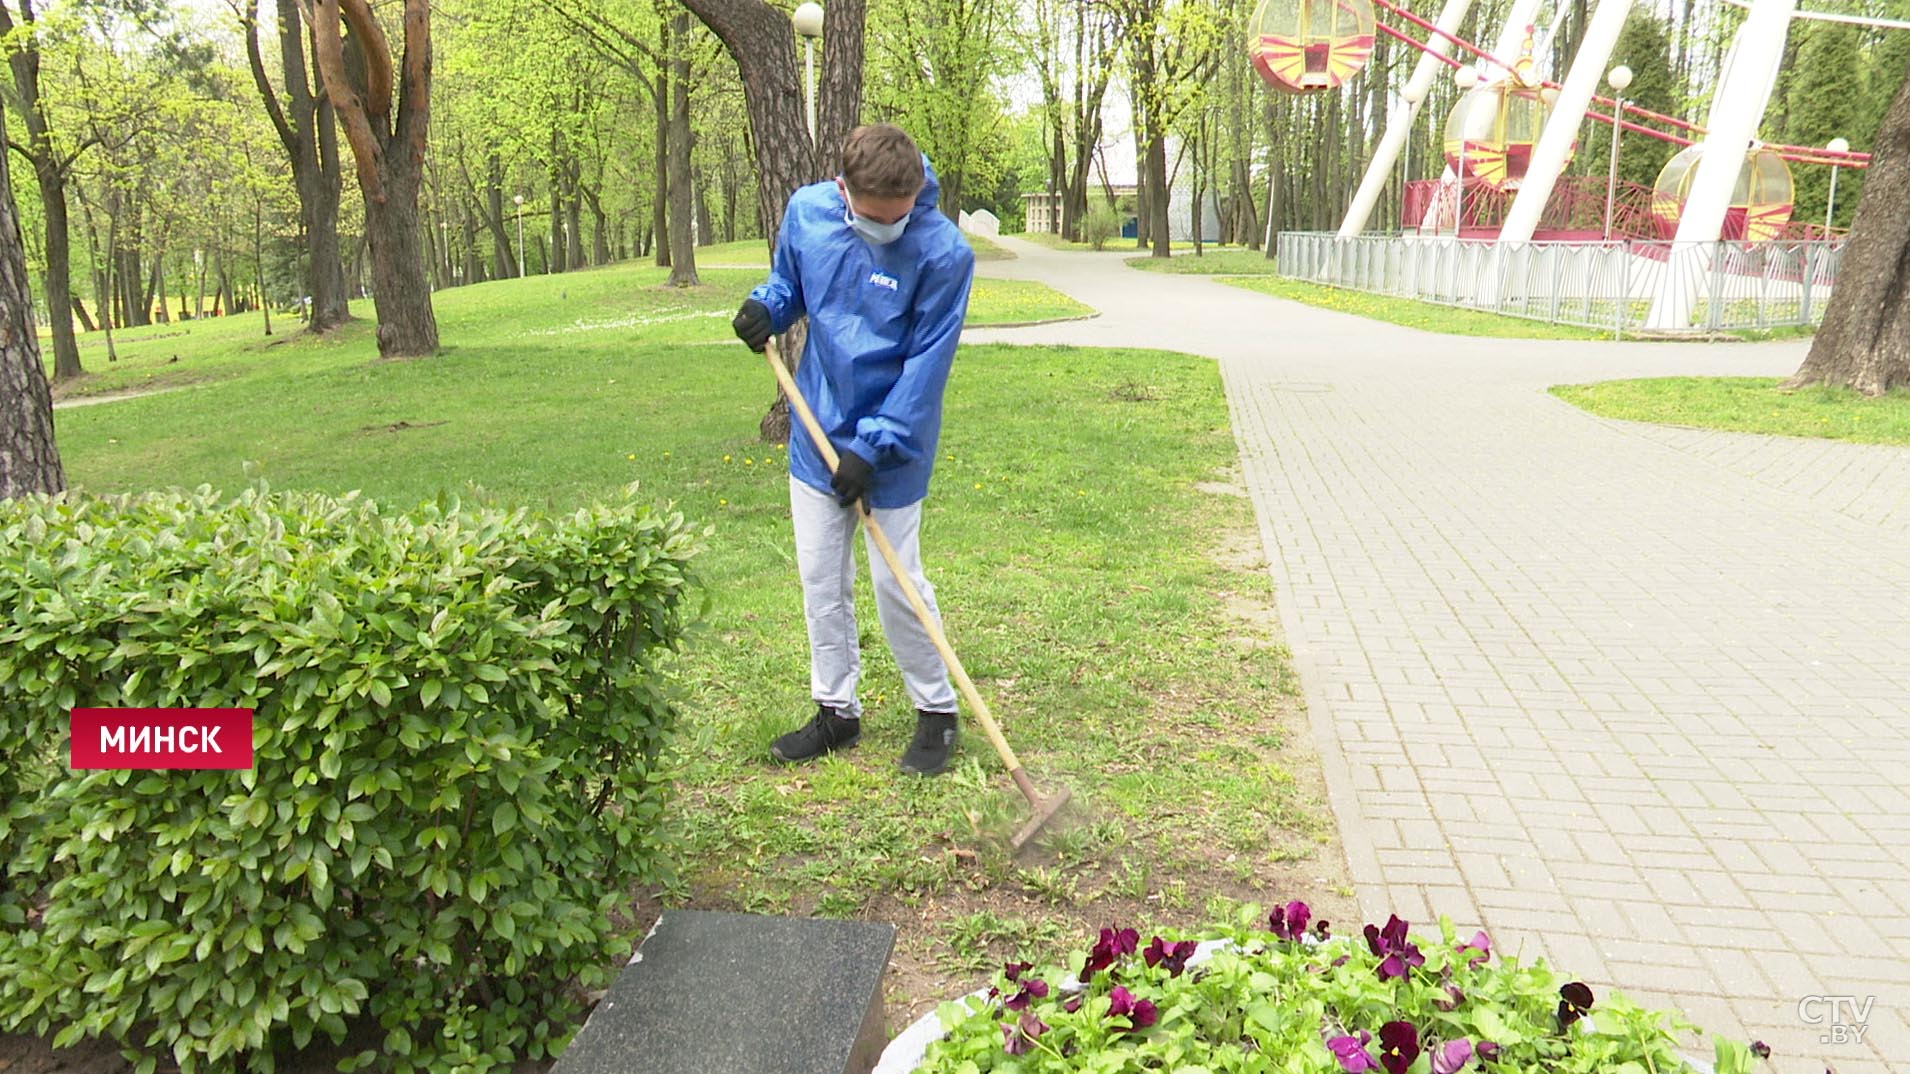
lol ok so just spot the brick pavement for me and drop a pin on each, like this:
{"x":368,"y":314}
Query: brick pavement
{"x":1633,"y":699}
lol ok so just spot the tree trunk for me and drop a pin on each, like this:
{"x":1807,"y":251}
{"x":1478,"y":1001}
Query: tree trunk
{"x":682,"y":197}
{"x":86,"y":320}
{"x":660,"y":205}
{"x":389,"y":142}
{"x":705,"y":223}
{"x":501,"y":248}
{"x":1158,"y":195}
{"x":1864,"y":342}
{"x":307,"y":129}
{"x":762,"y":41}
{"x":52,"y":175}
{"x":29,"y":454}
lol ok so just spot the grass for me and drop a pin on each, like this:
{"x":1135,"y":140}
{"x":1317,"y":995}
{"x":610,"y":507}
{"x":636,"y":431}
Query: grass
{"x":1214,"y":261}
{"x":1073,"y":551}
{"x":621,"y":302}
{"x":988,"y":250}
{"x":1428,"y":316}
{"x":1749,"y":405}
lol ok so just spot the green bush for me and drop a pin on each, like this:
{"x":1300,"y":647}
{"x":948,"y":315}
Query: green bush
{"x":1101,"y":225}
{"x":459,"y":713}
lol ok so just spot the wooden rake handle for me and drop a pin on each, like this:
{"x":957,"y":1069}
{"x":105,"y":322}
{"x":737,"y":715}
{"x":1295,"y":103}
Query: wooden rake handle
{"x":881,"y":539}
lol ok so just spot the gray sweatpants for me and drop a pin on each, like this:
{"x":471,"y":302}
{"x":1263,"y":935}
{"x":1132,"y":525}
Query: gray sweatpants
{"x":825,"y":557}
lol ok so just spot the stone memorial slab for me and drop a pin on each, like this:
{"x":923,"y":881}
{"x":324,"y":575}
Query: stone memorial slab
{"x":720,"y":993}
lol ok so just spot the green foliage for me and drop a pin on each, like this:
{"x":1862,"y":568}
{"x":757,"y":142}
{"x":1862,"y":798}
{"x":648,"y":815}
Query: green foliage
{"x":1260,"y":1004}
{"x":459,"y":715}
{"x":1644,"y":45}
{"x":1101,"y":225}
{"x":1825,"y":100}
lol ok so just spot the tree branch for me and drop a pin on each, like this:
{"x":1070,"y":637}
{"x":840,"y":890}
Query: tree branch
{"x":329,"y":40}
{"x":377,"y":49}
{"x":256,"y":60}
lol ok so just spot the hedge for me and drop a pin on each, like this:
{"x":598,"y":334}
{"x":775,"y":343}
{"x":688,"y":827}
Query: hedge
{"x":459,"y":712}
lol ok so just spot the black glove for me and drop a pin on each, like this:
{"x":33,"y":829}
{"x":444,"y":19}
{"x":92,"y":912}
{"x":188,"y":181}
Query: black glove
{"x":852,"y":478}
{"x":753,"y":325}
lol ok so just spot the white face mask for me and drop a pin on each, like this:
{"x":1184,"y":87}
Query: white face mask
{"x":877,"y":234}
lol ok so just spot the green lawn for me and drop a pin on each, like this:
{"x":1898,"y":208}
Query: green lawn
{"x":1073,"y":550}
{"x":619,"y":303}
{"x":1214,"y":261}
{"x":987,"y":250}
{"x":1750,"y":405}
{"x":1450,"y":320}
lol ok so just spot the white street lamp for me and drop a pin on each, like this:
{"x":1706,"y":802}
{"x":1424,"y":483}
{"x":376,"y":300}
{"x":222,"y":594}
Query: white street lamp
{"x":808,"y":20}
{"x":1837,"y":145}
{"x":1465,"y":78}
{"x":1618,"y":78}
{"x":520,"y":236}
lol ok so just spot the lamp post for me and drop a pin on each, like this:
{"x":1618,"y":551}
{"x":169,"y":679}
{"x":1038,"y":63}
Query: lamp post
{"x":1837,"y":145}
{"x":1618,"y":78}
{"x":808,"y":20}
{"x":520,"y":235}
{"x":1465,"y":78}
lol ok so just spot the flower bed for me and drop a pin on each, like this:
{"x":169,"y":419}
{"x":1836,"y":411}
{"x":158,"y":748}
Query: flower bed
{"x":1288,"y":996}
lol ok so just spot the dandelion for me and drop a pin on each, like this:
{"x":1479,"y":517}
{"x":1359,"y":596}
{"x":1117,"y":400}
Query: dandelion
{"x":632,"y":458}
{"x":978,"y":484}
{"x":726,"y":458}
{"x":722,"y":503}
{"x":666,"y":454}
{"x":749,"y":462}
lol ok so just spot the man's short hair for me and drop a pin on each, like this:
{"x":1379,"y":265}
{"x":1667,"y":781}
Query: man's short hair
{"x":881,"y":161}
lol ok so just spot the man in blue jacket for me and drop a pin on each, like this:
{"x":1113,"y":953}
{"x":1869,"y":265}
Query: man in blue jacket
{"x":883,"y":276}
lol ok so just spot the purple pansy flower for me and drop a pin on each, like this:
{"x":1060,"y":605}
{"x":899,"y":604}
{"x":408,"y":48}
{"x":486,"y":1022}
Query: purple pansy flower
{"x":1019,"y":1039}
{"x":1452,"y":1057}
{"x":1172,"y":955}
{"x":1398,"y":954}
{"x":1487,"y":1051}
{"x":1014,"y":970}
{"x":1455,"y":996}
{"x":1574,"y":1000}
{"x":1760,"y":1049}
{"x":1289,"y":922}
{"x":1140,"y":1013}
{"x":1398,"y":1046}
{"x":1480,"y":946}
{"x":1352,"y":1053}
{"x":1113,"y":946}
{"x":1320,"y":930}
{"x":1032,"y":989}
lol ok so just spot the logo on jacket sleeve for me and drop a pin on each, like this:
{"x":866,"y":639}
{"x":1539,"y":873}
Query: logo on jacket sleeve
{"x":879,"y":278}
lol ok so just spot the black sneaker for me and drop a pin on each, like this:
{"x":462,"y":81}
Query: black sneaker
{"x":825,"y":733}
{"x":935,"y":738}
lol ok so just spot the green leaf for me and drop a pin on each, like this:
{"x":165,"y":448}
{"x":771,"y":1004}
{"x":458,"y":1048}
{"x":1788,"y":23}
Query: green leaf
{"x":504,"y":819}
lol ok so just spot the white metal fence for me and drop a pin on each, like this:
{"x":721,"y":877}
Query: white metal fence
{"x":1623,"y":286}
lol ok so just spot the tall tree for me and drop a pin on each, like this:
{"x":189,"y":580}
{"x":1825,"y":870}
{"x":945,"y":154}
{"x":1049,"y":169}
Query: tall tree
{"x":52,"y":166}
{"x":938,"y":58}
{"x":388,"y":136}
{"x":681,"y":194}
{"x":309,"y":132}
{"x":1172,"y":51}
{"x":761,"y":40}
{"x":1864,"y":342}
{"x":29,"y":455}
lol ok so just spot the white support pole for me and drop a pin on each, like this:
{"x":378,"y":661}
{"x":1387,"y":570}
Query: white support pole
{"x":1511,"y":43}
{"x":1744,"y":91}
{"x":1399,"y":122}
{"x":1561,"y":130}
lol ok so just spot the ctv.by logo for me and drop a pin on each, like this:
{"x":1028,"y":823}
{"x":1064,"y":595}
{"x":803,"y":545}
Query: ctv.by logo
{"x":1844,"y":1019}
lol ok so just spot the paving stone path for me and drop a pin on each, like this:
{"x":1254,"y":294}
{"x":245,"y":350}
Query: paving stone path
{"x":1636,"y":699}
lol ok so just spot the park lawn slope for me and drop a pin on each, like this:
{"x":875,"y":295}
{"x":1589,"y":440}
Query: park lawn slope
{"x":1074,"y":537}
{"x":624,"y":305}
{"x":1749,"y":405}
{"x":1427,"y":316}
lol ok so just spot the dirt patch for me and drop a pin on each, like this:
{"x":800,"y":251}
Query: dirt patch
{"x":401,"y":426}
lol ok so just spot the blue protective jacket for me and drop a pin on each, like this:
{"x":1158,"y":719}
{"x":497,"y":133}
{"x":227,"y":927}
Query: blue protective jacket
{"x":883,"y":325}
